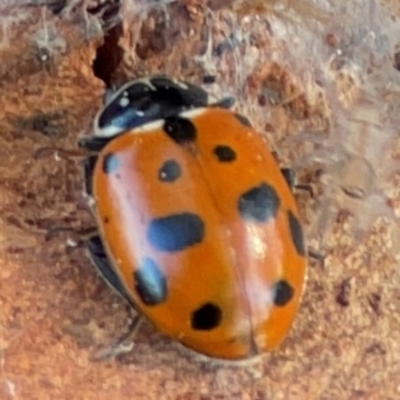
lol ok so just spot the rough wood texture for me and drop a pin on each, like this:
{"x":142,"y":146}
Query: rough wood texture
{"x":56,"y":314}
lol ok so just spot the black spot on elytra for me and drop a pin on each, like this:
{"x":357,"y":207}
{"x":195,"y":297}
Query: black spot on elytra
{"x":243,"y":120}
{"x":150,"y":283}
{"x":176,"y":232}
{"x":224,"y":153}
{"x":170,"y":171}
{"x":260,"y":203}
{"x":106,"y":220}
{"x":283,"y":293}
{"x":110,"y":163}
{"x":206,"y":317}
{"x":296,"y":233}
{"x":179,"y":129}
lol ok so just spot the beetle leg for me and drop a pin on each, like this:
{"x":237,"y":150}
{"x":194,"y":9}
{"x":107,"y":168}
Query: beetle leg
{"x":320,"y":258}
{"x":125,"y":344}
{"x":93,"y":144}
{"x":305,"y":187}
{"x":290,"y":178}
{"x":59,"y":153}
{"x":99,"y":258}
{"x":76,"y":238}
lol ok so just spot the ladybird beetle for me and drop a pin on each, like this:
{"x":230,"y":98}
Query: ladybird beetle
{"x":198,"y":227}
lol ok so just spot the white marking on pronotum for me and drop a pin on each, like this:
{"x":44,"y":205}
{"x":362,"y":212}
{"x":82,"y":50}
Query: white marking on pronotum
{"x":120,"y":95}
{"x":193,"y":113}
{"x":124,"y":101}
{"x":159,"y":123}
